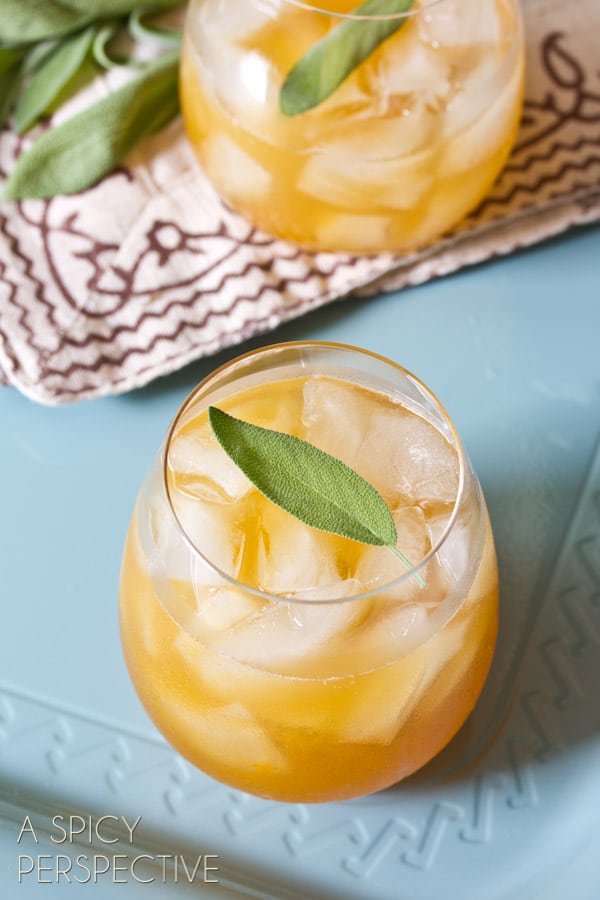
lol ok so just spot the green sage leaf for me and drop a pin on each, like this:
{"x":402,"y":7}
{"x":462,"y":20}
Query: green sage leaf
{"x":311,"y":485}
{"x":75,"y":155}
{"x":330,"y":61}
{"x":52,"y":75}
{"x":37,"y":54}
{"x":10,"y":76}
{"x":26,"y":21}
{"x":9,"y":58}
{"x":85,"y":74}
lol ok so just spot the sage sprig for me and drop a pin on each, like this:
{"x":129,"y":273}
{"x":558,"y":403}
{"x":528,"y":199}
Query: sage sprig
{"x":332,"y":59}
{"x":308,"y":483}
{"x":50,"y":77}
{"x":49,"y":49}
{"x":78,"y":153}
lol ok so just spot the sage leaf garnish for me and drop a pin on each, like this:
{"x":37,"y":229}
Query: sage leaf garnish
{"x":76,"y":154}
{"x":51,"y":76}
{"x":308,"y":483}
{"x":332,"y":59}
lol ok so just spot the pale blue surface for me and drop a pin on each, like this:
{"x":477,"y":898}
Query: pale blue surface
{"x":512,"y":350}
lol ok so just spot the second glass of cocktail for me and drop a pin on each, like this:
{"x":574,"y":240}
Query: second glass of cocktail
{"x":291,"y":662}
{"x":359,"y":128}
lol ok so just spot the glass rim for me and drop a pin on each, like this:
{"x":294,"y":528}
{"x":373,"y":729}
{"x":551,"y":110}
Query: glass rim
{"x":234,"y":582}
{"x":415,"y":10}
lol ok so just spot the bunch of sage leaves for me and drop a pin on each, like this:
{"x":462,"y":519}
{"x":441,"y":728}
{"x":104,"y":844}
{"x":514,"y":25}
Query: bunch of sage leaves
{"x":49,"y":49}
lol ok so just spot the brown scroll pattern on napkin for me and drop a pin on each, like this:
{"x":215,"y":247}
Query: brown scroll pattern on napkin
{"x":104,"y":291}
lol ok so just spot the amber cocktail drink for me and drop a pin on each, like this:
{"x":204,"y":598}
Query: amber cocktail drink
{"x":407,"y":144}
{"x":290,"y":662}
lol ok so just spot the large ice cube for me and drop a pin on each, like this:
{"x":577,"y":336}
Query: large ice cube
{"x":292,"y":557}
{"x":336,"y":416}
{"x":383,"y":701}
{"x":298,"y":638}
{"x":229,"y":735}
{"x":297,"y":702}
{"x":406,"y":458}
{"x":166,"y":553}
{"x":410,"y":74}
{"x":453,"y":651}
{"x":201,"y":468}
{"x":479,"y":122}
{"x":456,"y":552}
{"x":217,"y":677}
{"x":214,"y":529}
{"x":378,"y":566}
{"x":362,"y":184}
{"x":221,"y":607}
{"x":459,"y":23}
{"x":391,"y":630}
{"x":476,"y":91}
{"x":233,"y":170}
{"x":400,"y":626}
{"x":279,"y":407}
{"x":244,"y":81}
{"x":404,"y":133}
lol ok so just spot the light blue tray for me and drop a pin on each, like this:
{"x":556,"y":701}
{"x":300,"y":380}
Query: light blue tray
{"x":511,"y":810}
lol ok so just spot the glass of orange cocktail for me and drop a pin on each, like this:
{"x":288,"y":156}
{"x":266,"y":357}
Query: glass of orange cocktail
{"x":407,"y":143}
{"x":291,"y":662}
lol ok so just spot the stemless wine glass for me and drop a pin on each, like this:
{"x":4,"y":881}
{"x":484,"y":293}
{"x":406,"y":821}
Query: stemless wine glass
{"x":407,"y":144}
{"x":289,"y":662}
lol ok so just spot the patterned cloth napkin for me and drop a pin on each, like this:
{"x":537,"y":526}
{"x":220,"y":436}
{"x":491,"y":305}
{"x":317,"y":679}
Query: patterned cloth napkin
{"x":104,"y":291}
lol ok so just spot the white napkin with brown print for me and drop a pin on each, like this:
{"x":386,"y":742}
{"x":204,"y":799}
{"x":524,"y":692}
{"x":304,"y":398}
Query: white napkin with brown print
{"x":103,"y":291}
